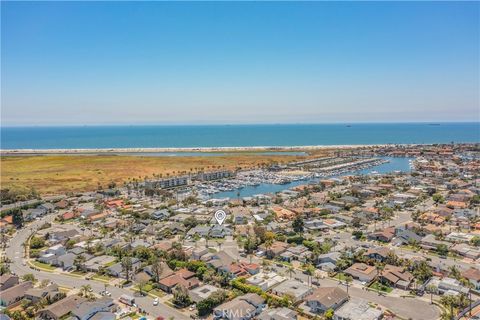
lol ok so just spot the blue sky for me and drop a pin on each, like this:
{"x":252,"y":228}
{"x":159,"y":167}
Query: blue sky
{"x":244,"y":62}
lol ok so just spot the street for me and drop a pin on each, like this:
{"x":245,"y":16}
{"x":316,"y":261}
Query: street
{"x":15,"y":252}
{"x":408,"y":308}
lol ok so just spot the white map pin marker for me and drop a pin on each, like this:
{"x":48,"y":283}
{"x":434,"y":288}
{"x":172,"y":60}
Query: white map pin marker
{"x":220,"y":216}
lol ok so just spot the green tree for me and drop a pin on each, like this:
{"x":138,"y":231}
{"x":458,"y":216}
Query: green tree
{"x":329,"y":314}
{"x":37,"y":243}
{"x":475,"y":241}
{"x":29,"y":277}
{"x":449,"y":302}
{"x":206,"y":306}
{"x":422,"y":271}
{"x":4,"y":268}
{"x":438,"y":198}
{"x":297,"y":225}
{"x":357,"y":234}
{"x":180,"y":296}
{"x":190,"y":222}
{"x":17,"y":218}
{"x":442,"y":249}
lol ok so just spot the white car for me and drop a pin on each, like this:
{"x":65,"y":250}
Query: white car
{"x":105,"y":293}
{"x":155,"y":302}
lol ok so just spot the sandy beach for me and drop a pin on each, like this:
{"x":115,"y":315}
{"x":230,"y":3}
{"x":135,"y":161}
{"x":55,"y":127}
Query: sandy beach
{"x":194,"y":149}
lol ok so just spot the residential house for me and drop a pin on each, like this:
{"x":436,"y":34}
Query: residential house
{"x":14,"y":294}
{"x":240,"y":214}
{"x":275,"y":249}
{"x":362,"y":272}
{"x":278,"y":314}
{"x":117,"y":270}
{"x":466,"y":250}
{"x":62,"y":235}
{"x":66,"y":261}
{"x":87,"y":309}
{"x":385,"y":235}
{"x":7,"y":281}
{"x":325,"y":298}
{"x":244,"y":307}
{"x":96,"y":263}
{"x":300,"y":253}
{"x":218,"y":260}
{"x":201,"y":293}
{"x":181,"y":277}
{"x":379,"y":254}
{"x":429,"y":242}
{"x":283,"y":213}
{"x":293,"y":288}
{"x":61,"y":308}
{"x":473,"y":275}
{"x":50,"y":292}
{"x":406,"y":236}
{"x":160,"y":214}
{"x":396,"y":277}
{"x":220,"y":231}
{"x":265,"y":280}
{"x":315,"y":224}
{"x":357,"y":309}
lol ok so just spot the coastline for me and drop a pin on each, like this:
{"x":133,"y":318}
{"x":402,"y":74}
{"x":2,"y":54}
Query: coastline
{"x":196,"y":149}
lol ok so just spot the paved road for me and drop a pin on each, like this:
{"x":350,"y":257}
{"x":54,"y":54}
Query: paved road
{"x":409,"y":308}
{"x":15,"y":253}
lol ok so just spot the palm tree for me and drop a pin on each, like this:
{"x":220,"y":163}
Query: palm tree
{"x":207,"y":237}
{"x":268,"y":245}
{"x":127,"y":266}
{"x":25,"y":249}
{"x":310,"y":270}
{"x":430,"y":288}
{"x":317,"y":277}
{"x":85,"y":290}
{"x":379,"y":269}
{"x":79,"y":261}
{"x":157,"y":268}
{"x":449,"y":302}
{"x":290,"y":271}
{"x":348,"y":280}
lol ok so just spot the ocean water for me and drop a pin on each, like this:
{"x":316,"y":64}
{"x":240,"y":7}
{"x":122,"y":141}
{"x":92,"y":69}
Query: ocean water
{"x":149,"y":136}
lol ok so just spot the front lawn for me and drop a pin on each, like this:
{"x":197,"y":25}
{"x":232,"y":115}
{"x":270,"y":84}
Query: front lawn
{"x":381,"y":287}
{"x":78,"y":273}
{"x":340,"y":276}
{"x":42,"y":265}
{"x":101,"y":277}
{"x":156,"y":292}
{"x":110,"y":264}
{"x":146,"y":288}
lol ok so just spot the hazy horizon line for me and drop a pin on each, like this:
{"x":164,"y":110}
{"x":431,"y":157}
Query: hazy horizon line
{"x":233,"y":124}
